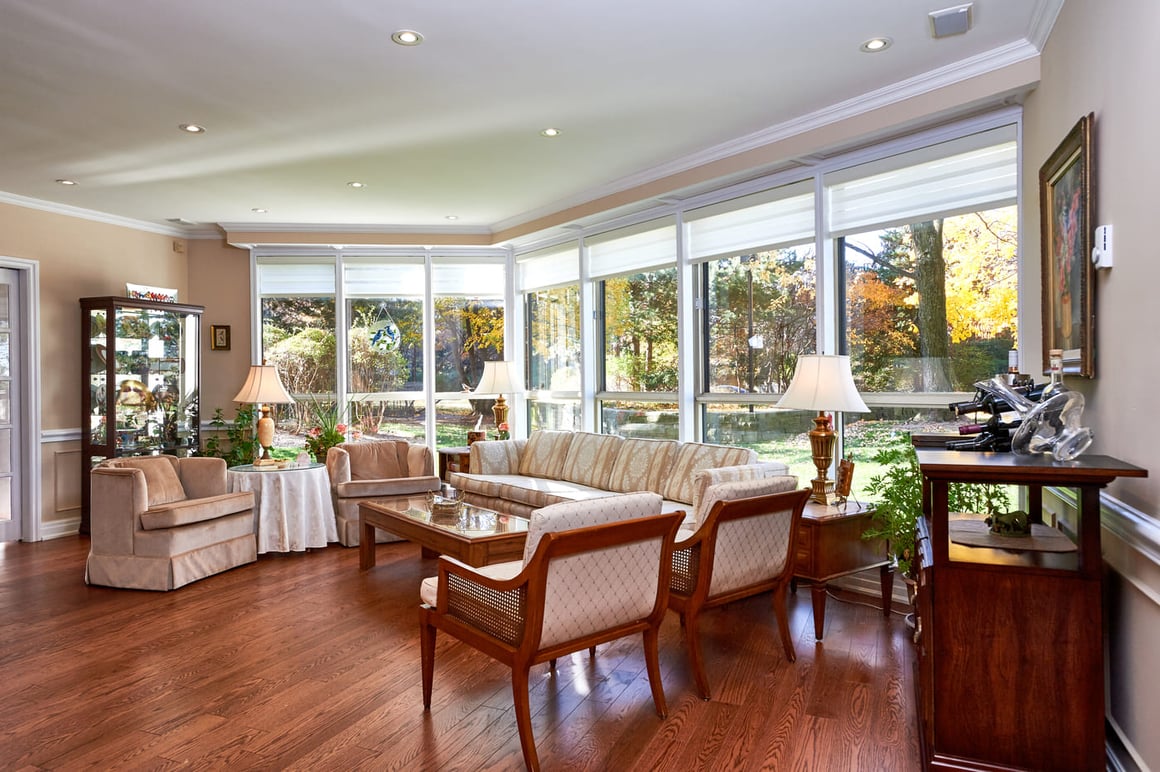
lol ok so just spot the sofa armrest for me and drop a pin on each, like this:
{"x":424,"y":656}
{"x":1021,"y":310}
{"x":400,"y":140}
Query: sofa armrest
{"x":337,"y":466}
{"x":119,"y":496}
{"x":496,"y":456}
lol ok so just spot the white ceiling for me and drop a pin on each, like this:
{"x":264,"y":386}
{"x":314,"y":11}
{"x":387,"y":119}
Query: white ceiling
{"x":302,"y":96}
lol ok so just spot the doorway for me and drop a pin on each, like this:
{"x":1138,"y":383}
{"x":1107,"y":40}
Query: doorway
{"x":19,"y":400}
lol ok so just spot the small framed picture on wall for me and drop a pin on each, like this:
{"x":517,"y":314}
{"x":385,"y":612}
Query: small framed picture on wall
{"x":219,"y":337}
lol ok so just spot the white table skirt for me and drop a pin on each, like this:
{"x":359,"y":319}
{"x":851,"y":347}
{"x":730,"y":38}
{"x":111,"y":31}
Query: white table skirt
{"x":293,"y":507}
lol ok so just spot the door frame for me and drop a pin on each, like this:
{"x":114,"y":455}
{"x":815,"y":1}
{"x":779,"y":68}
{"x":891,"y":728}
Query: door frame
{"x":28,"y":442}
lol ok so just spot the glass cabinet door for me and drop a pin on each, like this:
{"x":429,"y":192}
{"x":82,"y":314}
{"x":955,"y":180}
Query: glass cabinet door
{"x":142,"y":362}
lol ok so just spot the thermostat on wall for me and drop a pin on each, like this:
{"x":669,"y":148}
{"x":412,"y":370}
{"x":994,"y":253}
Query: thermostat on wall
{"x":1102,"y":247}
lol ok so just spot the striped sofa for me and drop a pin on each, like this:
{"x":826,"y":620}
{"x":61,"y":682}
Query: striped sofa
{"x":518,"y":476}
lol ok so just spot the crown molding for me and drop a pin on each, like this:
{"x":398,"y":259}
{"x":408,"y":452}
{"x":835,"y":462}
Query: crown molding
{"x":339,"y":228}
{"x":1043,"y":18}
{"x":966,"y":69}
{"x":89,"y":214}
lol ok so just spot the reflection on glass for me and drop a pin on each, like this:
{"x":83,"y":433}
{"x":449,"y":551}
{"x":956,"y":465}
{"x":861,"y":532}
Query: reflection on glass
{"x":932,"y":306}
{"x":761,"y":315}
{"x":640,"y":331}
{"x":554,"y":339}
{"x":556,"y":414}
{"x":775,"y":435}
{"x":5,"y":402}
{"x":640,"y":420}
{"x":5,"y":355}
{"x":5,"y":306}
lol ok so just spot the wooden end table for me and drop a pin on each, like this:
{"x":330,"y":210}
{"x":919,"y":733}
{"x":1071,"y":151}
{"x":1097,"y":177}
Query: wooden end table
{"x":830,"y":545}
{"x":477,"y":537}
{"x":453,"y":460}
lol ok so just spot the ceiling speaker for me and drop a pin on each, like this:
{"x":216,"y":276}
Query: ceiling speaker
{"x":950,"y":21}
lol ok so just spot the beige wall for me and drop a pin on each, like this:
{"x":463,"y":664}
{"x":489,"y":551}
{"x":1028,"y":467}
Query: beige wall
{"x":1100,"y":58}
{"x":78,"y":258}
{"x":219,"y":278}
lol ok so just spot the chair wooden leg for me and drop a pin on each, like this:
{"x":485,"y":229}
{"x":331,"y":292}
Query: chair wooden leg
{"x":653,"y":666}
{"x":591,"y":651}
{"x":695,"y":659}
{"x":779,"y":611}
{"x":427,"y":652}
{"x":552,"y":664}
{"x":524,"y":715}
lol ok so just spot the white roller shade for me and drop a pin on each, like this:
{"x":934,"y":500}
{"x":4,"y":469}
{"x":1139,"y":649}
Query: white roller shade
{"x":966,"y":175}
{"x":306,"y":279}
{"x":383,"y":279}
{"x":767,"y":220}
{"x":475,"y":280}
{"x":638,"y":248}
{"x":548,"y":267}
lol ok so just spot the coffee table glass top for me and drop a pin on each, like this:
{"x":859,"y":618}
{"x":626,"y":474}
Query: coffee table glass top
{"x":472,"y":522}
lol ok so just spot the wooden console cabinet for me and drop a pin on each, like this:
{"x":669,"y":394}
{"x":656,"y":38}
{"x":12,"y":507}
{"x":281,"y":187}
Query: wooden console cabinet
{"x":1010,"y":642}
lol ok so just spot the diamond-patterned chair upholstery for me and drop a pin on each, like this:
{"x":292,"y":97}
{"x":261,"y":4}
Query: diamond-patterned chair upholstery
{"x":592,"y":572}
{"x":744,"y":546}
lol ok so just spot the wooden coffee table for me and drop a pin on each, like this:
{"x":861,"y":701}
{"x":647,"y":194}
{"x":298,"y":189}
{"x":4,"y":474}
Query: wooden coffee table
{"x":477,"y":537}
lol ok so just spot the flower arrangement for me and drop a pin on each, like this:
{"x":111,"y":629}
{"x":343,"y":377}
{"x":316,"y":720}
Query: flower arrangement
{"x":328,"y":431}
{"x":503,"y":431}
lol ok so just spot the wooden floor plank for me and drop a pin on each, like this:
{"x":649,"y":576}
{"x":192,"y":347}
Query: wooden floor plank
{"x":304,"y":662}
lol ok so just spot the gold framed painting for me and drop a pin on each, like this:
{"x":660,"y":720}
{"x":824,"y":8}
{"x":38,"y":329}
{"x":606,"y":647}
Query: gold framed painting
{"x":219,"y":337}
{"x":1067,"y":213}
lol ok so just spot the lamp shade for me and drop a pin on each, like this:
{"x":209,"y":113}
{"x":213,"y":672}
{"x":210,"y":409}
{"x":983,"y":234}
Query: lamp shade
{"x":823,"y":382}
{"x":263,"y":386}
{"x":496,"y":379}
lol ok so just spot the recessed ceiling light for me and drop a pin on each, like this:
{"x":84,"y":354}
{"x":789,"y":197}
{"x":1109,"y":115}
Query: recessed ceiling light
{"x":452,"y":217}
{"x":551,"y":133}
{"x":874,"y":45}
{"x":407,"y":37}
{"x":191,"y":128}
{"x":66,"y":182}
{"x":356,"y":184}
{"x":259,"y":210}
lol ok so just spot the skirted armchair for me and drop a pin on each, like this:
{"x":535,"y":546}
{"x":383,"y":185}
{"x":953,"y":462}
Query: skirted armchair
{"x":744,"y":546}
{"x":593,"y":571}
{"x":368,"y":470}
{"x":160,"y":522}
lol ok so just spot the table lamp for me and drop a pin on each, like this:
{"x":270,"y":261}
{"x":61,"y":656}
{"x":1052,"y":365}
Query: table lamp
{"x":497,"y":379}
{"x":263,"y":387}
{"x":823,"y":382}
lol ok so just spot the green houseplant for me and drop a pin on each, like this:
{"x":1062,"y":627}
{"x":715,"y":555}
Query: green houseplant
{"x":243,"y":445}
{"x":897,"y":493}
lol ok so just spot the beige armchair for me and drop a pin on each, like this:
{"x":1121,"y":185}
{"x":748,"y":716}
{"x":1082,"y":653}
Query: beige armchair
{"x":160,"y":522}
{"x":593,"y":571}
{"x":744,"y":546}
{"x":364,"y":471}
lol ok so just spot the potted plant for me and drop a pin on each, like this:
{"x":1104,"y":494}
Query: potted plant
{"x":897,"y":493}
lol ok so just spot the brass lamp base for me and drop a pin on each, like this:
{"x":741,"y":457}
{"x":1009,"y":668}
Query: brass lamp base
{"x":822,"y":439}
{"x":500,"y":411}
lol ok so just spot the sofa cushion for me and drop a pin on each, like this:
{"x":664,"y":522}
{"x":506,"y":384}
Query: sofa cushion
{"x":590,"y":458}
{"x":532,"y":491}
{"x":377,"y":459}
{"x":496,"y":456}
{"x":190,"y":511}
{"x":692,"y":457}
{"x":397,"y":487}
{"x":161,"y":480}
{"x":545,"y":453}
{"x":641,"y":465}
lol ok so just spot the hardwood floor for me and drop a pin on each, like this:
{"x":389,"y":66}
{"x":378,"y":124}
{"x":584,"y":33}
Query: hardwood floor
{"x":303,"y":662}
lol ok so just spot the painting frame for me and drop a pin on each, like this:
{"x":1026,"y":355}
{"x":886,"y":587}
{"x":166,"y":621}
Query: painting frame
{"x":219,"y":337}
{"x":1067,"y":214}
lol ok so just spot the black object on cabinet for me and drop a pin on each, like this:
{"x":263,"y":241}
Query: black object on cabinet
{"x":141,"y":371}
